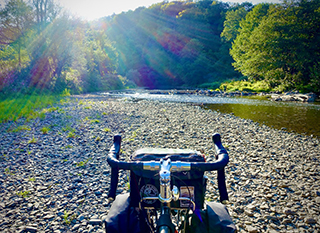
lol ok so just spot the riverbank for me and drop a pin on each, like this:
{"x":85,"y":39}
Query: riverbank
{"x":288,"y":96}
{"x":58,"y":180}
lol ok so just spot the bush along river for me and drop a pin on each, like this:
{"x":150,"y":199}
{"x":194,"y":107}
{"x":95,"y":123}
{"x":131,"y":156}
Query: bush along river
{"x":297,"y":117}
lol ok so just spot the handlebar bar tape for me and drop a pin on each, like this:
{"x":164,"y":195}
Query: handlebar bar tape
{"x":222,"y":186}
{"x":115,"y":164}
{"x":221,"y":174}
{"x":220,"y":163}
{"x":112,"y":159}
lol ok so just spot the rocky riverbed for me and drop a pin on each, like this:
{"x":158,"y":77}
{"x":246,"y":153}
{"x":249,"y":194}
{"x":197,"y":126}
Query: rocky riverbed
{"x":54,"y":176}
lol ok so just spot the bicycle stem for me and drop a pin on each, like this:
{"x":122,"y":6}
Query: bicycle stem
{"x":165,"y":181}
{"x":166,"y":194}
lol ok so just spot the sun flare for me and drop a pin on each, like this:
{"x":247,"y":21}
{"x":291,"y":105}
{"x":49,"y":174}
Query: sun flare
{"x":94,"y":9}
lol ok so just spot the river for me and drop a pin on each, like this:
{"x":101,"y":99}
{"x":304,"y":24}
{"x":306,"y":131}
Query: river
{"x":302,"y":118}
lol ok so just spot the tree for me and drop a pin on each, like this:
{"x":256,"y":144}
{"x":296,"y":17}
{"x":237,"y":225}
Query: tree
{"x":45,"y":11}
{"x":16,"y":19}
{"x":281,"y":47}
{"x":244,"y":49}
{"x":50,"y":53}
{"x":232,"y":23}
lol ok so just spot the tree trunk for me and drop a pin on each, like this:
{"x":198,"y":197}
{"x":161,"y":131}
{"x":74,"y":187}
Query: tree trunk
{"x":19,"y":56}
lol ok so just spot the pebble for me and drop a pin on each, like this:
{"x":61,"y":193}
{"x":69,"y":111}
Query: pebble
{"x":30,"y":229}
{"x":95,"y":221}
{"x":289,"y":212}
{"x":49,"y":216}
{"x":251,"y":229}
{"x":60,"y":184}
{"x":310,"y":220}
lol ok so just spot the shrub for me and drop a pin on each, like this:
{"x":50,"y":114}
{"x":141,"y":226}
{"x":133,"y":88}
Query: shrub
{"x":71,"y":135}
{"x":257,"y":86}
{"x":20,"y":128}
{"x":33,"y":140}
{"x":95,"y":121}
{"x":45,"y":130}
{"x":23,"y":194}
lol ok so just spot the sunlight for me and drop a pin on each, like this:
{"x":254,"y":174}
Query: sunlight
{"x":161,"y":45}
{"x":95,"y":9}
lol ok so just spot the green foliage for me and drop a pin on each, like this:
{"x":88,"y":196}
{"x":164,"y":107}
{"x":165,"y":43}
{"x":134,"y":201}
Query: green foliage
{"x":42,"y":116}
{"x":133,"y":135}
{"x":257,"y":86}
{"x":68,"y":128}
{"x":33,"y":140}
{"x":3,"y":157}
{"x":66,"y":217}
{"x":212,"y":86}
{"x":169,"y":44}
{"x":24,"y":194}
{"x":66,"y":92}
{"x":8,"y":171}
{"x":20,"y":128}
{"x":277,"y":43}
{"x":52,"y":109}
{"x":32,"y":179}
{"x":71,"y":134}
{"x":107,"y":130}
{"x":15,"y":21}
{"x":95,"y":121}
{"x":45,"y":130}
{"x":44,"y":51}
{"x":83,"y":163}
{"x":25,"y":106}
{"x":183,"y":44}
{"x":248,"y":58}
{"x":231,"y":24}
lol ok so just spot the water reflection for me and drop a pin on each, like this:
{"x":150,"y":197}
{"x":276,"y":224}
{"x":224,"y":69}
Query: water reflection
{"x":292,"y":117}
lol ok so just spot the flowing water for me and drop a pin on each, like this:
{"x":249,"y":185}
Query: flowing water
{"x":303,"y":118}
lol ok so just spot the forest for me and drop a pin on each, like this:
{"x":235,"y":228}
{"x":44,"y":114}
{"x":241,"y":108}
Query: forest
{"x":176,"y":44}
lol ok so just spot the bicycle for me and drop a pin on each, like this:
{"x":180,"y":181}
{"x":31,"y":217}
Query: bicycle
{"x":167,"y":189}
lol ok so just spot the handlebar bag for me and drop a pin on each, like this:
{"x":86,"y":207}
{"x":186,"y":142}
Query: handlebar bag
{"x":146,"y":183}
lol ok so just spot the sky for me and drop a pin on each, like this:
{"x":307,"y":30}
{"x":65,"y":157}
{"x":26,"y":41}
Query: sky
{"x":95,"y":9}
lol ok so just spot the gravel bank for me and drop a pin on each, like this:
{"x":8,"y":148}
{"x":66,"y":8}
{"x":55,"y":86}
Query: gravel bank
{"x":58,"y":182}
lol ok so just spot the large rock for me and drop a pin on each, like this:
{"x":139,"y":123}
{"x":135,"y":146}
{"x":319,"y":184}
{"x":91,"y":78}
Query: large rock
{"x":310,"y":97}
